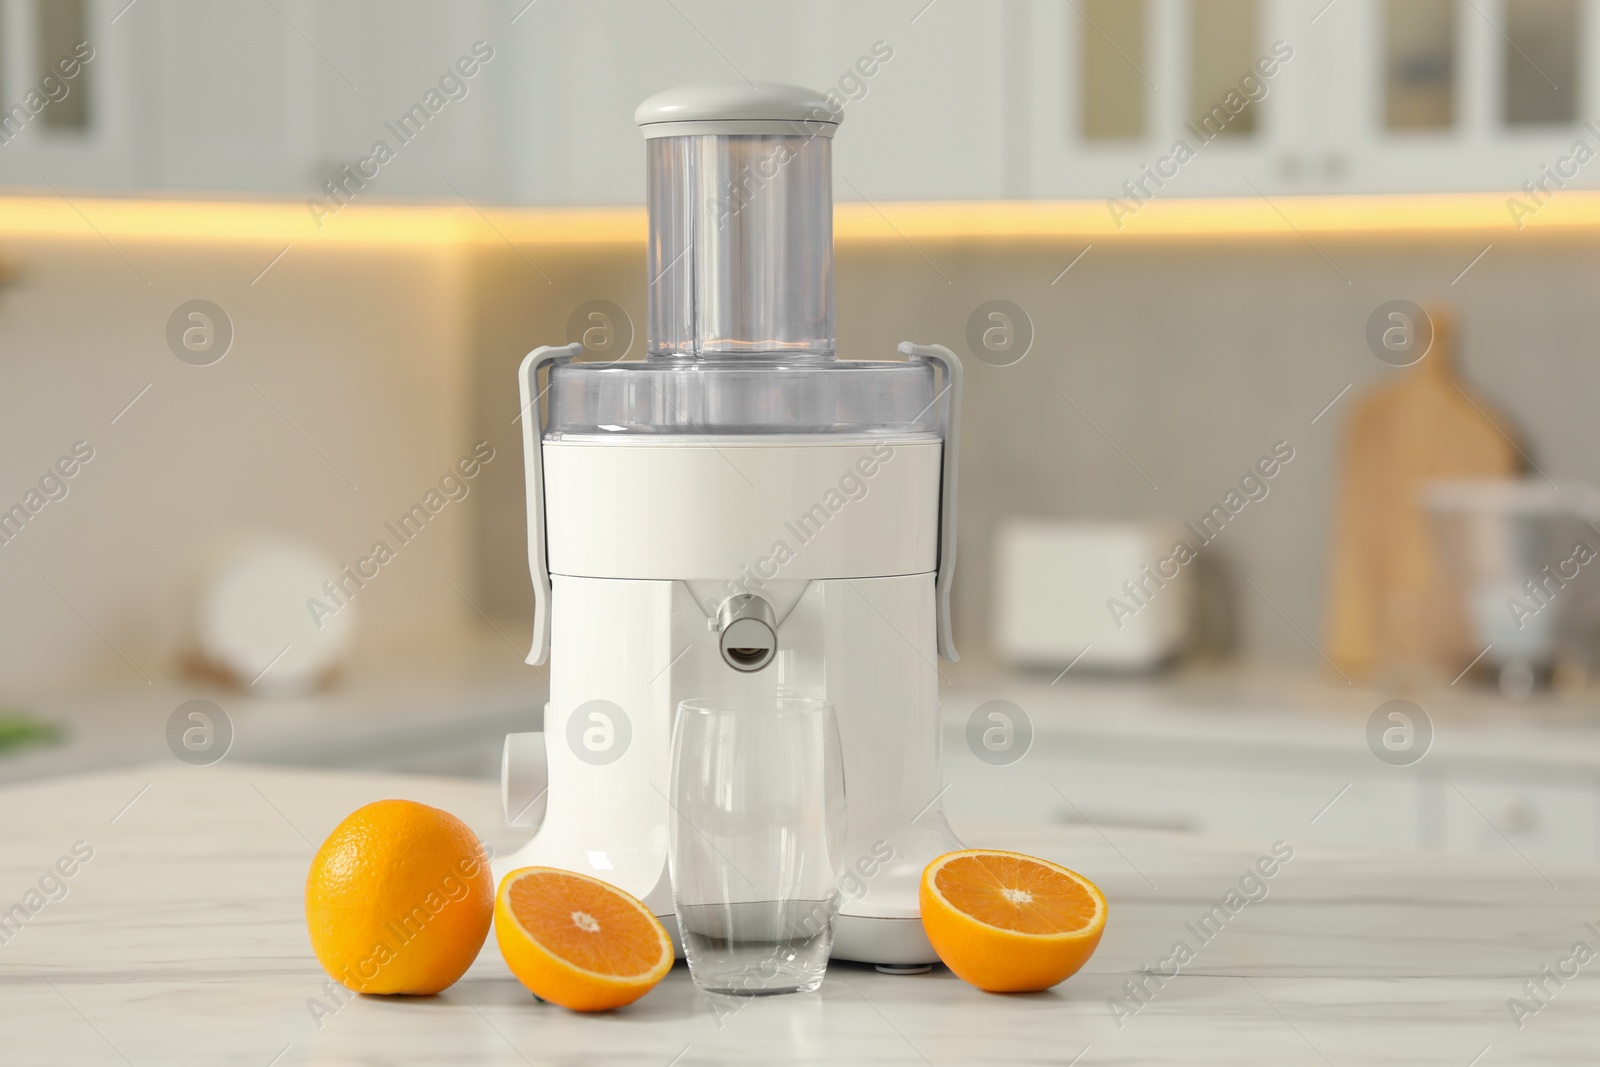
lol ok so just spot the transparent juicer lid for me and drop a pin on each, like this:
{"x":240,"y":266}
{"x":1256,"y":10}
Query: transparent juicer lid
{"x":740,"y":325}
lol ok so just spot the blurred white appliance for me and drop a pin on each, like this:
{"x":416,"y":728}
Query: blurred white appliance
{"x":1523,"y":557}
{"x":740,"y":513}
{"x":1105,"y":595}
{"x":274,"y":615}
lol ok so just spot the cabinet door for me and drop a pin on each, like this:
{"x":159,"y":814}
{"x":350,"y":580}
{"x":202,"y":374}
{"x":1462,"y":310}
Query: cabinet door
{"x":386,"y":102}
{"x":925,"y":124}
{"x":180,"y":94}
{"x":1321,"y":97}
{"x":84,"y":138}
{"x":272,"y":98}
{"x":1160,"y":99}
{"x":1448,"y":95}
{"x":1210,"y":794}
{"x":235,"y":87}
{"x":1511,"y":816}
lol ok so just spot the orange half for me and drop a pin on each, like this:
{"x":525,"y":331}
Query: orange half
{"x":1010,"y":923}
{"x":577,"y":941}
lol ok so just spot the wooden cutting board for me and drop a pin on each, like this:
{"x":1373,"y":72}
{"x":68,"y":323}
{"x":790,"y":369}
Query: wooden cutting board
{"x":1388,"y":607}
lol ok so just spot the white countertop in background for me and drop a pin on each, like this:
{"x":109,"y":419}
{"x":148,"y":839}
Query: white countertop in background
{"x":442,"y":709}
{"x":183,"y":942}
{"x":1301,"y":712}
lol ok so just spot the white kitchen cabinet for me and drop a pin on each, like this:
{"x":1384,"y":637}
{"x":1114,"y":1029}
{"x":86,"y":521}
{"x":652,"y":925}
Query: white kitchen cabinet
{"x":1260,"y":794}
{"x":1324,"y":125}
{"x":1479,"y":149}
{"x":272,"y":98}
{"x":275,"y":98}
{"x":1067,"y":162}
{"x":1133,"y":757}
{"x":979,"y":101}
{"x":1211,"y":792}
{"x":182,"y":95}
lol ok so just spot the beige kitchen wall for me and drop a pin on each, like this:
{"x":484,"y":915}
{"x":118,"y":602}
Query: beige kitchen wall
{"x":341,"y":401}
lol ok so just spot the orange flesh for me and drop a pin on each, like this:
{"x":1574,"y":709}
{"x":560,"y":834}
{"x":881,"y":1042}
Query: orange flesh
{"x":587,"y":924}
{"x":1015,"y":894}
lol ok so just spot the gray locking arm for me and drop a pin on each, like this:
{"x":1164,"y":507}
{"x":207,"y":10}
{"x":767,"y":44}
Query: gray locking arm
{"x":533,"y":466}
{"x":950,"y":421}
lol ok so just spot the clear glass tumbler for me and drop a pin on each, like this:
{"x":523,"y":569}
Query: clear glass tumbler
{"x":757,"y":829}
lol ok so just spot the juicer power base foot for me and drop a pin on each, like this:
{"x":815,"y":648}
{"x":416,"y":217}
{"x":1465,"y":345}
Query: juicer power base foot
{"x":882,"y":942}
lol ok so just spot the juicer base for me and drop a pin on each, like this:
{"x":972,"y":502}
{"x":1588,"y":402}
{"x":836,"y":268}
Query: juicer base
{"x":884,"y":942}
{"x":894,"y":946}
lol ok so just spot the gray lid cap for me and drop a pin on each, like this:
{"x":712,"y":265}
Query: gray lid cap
{"x":722,"y":108}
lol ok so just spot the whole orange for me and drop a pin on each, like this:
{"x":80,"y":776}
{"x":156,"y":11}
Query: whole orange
{"x":399,"y":899}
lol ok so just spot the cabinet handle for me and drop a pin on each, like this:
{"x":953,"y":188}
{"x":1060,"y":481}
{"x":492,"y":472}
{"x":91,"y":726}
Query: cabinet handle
{"x":1515,"y":814}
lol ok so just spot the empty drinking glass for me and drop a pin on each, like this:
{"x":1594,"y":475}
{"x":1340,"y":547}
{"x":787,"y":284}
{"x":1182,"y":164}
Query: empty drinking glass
{"x":757,"y":828}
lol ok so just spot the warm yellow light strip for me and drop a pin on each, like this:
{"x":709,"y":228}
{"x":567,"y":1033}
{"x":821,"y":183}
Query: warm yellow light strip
{"x":1317,"y":216}
{"x":288,"y":223}
{"x":1573,"y":212}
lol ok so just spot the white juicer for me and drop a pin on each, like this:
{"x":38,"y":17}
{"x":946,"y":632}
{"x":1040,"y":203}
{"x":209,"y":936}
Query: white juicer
{"x":740,"y":513}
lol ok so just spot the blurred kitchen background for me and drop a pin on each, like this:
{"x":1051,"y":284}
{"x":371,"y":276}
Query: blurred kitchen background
{"x":1369,"y":268}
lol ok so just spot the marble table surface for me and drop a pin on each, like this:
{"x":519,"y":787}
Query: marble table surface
{"x":181,"y":940}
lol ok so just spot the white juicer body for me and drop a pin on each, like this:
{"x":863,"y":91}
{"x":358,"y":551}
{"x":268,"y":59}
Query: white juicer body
{"x":645,"y":538}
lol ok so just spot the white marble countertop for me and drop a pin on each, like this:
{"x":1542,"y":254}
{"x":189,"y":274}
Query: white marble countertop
{"x":182,"y":941}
